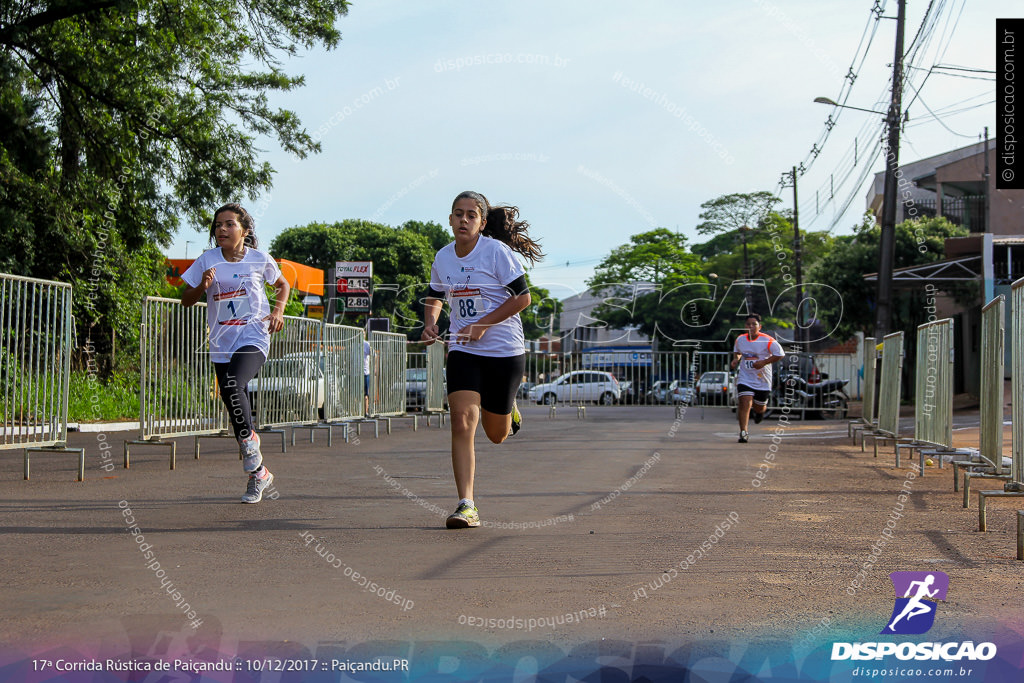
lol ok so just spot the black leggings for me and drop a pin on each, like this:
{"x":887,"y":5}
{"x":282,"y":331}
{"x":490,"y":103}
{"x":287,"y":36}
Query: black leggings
{"x":232,"y":377}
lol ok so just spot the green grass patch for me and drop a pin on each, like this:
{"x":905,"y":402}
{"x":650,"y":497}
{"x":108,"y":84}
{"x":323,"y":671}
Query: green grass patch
{"x":100,"y":400}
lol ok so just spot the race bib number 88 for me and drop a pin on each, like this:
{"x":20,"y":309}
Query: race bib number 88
{"x":468,"y":307}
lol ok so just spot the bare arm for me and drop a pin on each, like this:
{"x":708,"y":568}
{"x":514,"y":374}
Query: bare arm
{"x":508,"y":308}
{"x":431,"y":312}
{"x":275,"y":321}
{"x":191,"y":295}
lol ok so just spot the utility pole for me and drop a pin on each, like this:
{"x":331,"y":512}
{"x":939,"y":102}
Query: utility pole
{"x":797,"y":249}
{"x":986,"y":223}
{"x":799,"y":337}
{"x":892,"y":160}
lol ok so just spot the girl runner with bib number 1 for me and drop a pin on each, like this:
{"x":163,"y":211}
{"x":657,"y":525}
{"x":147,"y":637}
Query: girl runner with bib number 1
{"x":232,"y":275}
{"x":485,"y":286}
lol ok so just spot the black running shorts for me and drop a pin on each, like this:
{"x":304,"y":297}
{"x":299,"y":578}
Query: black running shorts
{"x":760,"y":395}
{"x":495,"y":379}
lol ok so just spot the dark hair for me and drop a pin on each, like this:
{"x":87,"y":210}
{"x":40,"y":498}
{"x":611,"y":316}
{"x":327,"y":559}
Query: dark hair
{"x":244,"y":219}
{"x":503,"y":224}
{"x":755,"y":316}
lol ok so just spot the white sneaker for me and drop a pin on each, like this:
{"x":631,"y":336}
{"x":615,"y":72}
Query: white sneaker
{"x":743,"y":437}
{"x":257,"y":485}
{"x":252,"y":458}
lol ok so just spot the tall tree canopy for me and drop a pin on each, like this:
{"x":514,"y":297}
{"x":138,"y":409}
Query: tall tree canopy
{"x":733,"y":211}
{"x":401,"y":267}
{"x":123,"y":117}
{"x":843,"y":267}
{"x":658,"y":257}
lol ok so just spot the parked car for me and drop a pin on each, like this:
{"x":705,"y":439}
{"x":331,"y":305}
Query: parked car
{"x":665,"y":391}
{"x":285,"y":382}
{"x":715,"y":388}
{"x":416,"y":390}
{"x":578,"y":387}
{"x":524,"y":390}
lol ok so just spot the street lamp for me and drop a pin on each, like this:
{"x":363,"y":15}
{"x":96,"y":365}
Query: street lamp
{"x":826,"y":100}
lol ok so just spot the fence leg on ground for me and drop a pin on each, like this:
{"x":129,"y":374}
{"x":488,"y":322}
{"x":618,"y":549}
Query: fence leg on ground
{"x":983,"y":495}
{"x":1020,"y":534}
{"x":81,"y":458}
{"x":222,"y":435}
{"x":312,"y":430}
{"x":284,"y":448}
{"x":151,"y":442}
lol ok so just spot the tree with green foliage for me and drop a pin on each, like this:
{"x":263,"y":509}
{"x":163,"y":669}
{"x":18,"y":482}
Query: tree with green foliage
{"x":437,"y":235}
{"x":851,"y":257}
{"x":401,"y":267}
{"x":401,"y":262}
{"x":646,"y":283}
{"x":734,"y":211}
{"x":137,"y":115}
{"x":772,"y":261}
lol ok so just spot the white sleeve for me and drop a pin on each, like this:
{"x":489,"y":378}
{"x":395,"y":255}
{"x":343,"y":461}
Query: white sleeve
{"x":271,"y":271}
{"x":193,"y":275}
{"x":506,"y":266}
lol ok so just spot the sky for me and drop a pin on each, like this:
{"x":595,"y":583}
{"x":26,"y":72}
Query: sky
{"x":602,"y":120}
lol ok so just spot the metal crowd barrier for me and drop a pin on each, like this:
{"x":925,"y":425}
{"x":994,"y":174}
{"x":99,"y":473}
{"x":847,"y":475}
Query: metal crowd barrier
{"x":35,"y":366}
{"x":289,"y":390}
{"x":1017,"y":382}
{"x":933,"y":393}
{"x":888,"y":426}
{"x":867,"y":418}
{"x":387,"y":379}
{"x":178,"y":394}
{"x":437,"y":390}
{"x":1014,"y":488}
{"x":988,"y":462}
{"x":993,"y":359}
{"x":343,"y":373}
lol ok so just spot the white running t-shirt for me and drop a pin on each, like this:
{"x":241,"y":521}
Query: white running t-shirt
{"x":760,"y":347}
{"x":236,"y":301}
{"x":475,"y":285}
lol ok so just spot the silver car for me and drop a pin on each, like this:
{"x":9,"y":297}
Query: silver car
{"x":580,"y":386}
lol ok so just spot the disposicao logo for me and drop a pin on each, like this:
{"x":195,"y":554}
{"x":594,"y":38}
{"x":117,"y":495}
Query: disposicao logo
{"x":917,"y":594}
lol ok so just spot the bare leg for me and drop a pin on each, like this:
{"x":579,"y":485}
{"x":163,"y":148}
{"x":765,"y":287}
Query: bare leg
{"x":464,"y":407}
{"x":743,"y":411}
{"x":496,"y":426}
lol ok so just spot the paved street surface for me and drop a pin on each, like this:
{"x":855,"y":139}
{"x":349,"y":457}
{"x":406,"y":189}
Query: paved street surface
{"x":628,"y":526}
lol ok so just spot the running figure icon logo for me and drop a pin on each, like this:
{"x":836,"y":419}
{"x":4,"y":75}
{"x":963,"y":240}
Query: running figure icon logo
{"x":917,"y":594}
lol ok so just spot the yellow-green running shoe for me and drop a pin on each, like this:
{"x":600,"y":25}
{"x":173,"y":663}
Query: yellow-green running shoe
{"x":517,"y":418}
{"x":463,"y":517}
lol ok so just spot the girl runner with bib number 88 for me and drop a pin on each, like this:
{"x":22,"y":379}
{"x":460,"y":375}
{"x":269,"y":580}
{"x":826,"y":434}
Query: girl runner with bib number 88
{"x":232,"y":276}
{"x":485,"y":286}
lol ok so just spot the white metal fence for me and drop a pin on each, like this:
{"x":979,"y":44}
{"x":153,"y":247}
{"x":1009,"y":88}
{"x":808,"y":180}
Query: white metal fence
{"x":387,"y":379}
{"x":933,"y":384}
{"x":289,"y":389}
{"x":436,"y":387}
{"x":890,"y":385}
{"x":35,"y":366}
{"x":343,"y":372}
{"x":993,"y":359}
{"x":178,"y":394}
{"x":1017,"y":381}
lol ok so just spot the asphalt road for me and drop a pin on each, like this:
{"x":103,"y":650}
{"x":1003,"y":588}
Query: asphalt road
{"x":629,"y":526}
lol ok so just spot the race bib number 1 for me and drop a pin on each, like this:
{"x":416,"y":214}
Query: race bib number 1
{"x":233,"y":307}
